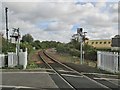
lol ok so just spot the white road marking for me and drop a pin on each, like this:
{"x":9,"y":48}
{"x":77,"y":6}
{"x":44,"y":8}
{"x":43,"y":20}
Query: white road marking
{"x":99,"y":74}
{"x":106,"y":79}
{"x":15,"y":86}
{"x":65,"y":71}
{"x":26,"y":72}
{"x":71,"y":75}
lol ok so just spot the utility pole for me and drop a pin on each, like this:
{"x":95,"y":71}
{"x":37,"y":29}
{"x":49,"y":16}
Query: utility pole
{"x":6,"y":10}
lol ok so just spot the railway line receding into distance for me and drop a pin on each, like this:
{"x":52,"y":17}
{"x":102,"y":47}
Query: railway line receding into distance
{"x":73,"y":79}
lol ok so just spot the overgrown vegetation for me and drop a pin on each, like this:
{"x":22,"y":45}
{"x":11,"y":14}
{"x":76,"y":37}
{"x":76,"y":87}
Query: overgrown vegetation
{"x":73,"y":48}
{"x":32,"y":65}
{"x":7,"y":47}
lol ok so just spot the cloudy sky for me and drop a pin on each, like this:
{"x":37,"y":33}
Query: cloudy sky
{"x":59,"y":19}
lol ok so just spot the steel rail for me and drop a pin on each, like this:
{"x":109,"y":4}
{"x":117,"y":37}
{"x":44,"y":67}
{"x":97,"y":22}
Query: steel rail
{"x":58,"y":74}
{"x":76,"y":71}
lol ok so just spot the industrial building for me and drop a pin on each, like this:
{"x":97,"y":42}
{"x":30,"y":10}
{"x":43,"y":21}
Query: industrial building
{"x":100,"y":44}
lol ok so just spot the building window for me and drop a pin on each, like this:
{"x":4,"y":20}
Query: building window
{"x":92,"y":42}
{"x":104,"y":42}
{"x":108,"y":42}
{"x":96,"y":42}
{"x":100,"y":42}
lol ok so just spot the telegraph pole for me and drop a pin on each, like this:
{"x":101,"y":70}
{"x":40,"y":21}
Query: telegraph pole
{"x":6,"y":10}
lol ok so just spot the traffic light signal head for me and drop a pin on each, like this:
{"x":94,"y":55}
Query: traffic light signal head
{"x":79,"y":30}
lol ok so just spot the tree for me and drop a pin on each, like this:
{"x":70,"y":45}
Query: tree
{"x":36,"y":44}
{"x":27,"y":38}
{"x":7,"y":48}
{"x":25,"y":45}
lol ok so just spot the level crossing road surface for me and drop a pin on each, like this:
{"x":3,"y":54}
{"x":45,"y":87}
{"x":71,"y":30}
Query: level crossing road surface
{"x":45,"y":81}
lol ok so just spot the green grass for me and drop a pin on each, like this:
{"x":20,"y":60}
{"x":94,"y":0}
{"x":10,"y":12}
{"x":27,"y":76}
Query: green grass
{"x":31,"y":54}
{"x":72,"y":59}
{"x":68,"y":58}
{"x":32,"y":57}
{"x":32,"y":65}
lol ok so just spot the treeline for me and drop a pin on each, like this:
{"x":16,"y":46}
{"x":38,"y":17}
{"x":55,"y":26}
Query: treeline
{"x":72,"y":48}
{"x":28,"y":42}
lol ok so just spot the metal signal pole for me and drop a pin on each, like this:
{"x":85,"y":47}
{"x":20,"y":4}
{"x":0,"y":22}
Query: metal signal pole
{"x":81,"y":52}
{"x":16,"y":35}
{"x":79,"y":32}
{"x":81,"y":36}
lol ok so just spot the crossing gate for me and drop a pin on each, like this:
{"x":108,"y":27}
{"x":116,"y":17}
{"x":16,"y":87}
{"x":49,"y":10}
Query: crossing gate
{"x":13,"y":59}
{"x":108,"y":61}
{"x":2,"y":60}
{"x":23,"y":59}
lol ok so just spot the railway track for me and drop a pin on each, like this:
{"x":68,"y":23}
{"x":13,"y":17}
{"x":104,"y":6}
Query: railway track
{"x":61,"y":70}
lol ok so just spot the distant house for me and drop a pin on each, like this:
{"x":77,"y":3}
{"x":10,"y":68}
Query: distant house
{"x":100,"y":44}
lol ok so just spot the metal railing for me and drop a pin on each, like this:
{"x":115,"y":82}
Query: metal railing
{"x":108,"y":61}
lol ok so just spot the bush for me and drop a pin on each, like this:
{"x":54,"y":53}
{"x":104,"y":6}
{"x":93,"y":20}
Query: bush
{"x":91,"y":55}
{"x":67,"y":50}
{"x":31,"y":65}
{"x":74,"y":52}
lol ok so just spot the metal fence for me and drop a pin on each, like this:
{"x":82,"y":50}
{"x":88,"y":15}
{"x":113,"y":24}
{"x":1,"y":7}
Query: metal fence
{"x":108,"y":61}
{"x":13,"y":59}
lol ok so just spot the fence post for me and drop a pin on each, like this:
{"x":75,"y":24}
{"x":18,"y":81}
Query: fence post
{"x":98,"y":59}
{"x":25,"y":62}
{"x":116,"y":62}
{"x":23,"y":59}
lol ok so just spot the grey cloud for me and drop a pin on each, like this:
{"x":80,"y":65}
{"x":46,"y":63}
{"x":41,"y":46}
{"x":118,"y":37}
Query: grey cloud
{"x":27,"y":15}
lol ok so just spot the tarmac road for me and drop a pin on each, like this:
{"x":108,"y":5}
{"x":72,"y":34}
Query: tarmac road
{"x":108,"y":79}
{"x":38,"y":80}
{"x":43,"y":80}
{"x":49,"y":80}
